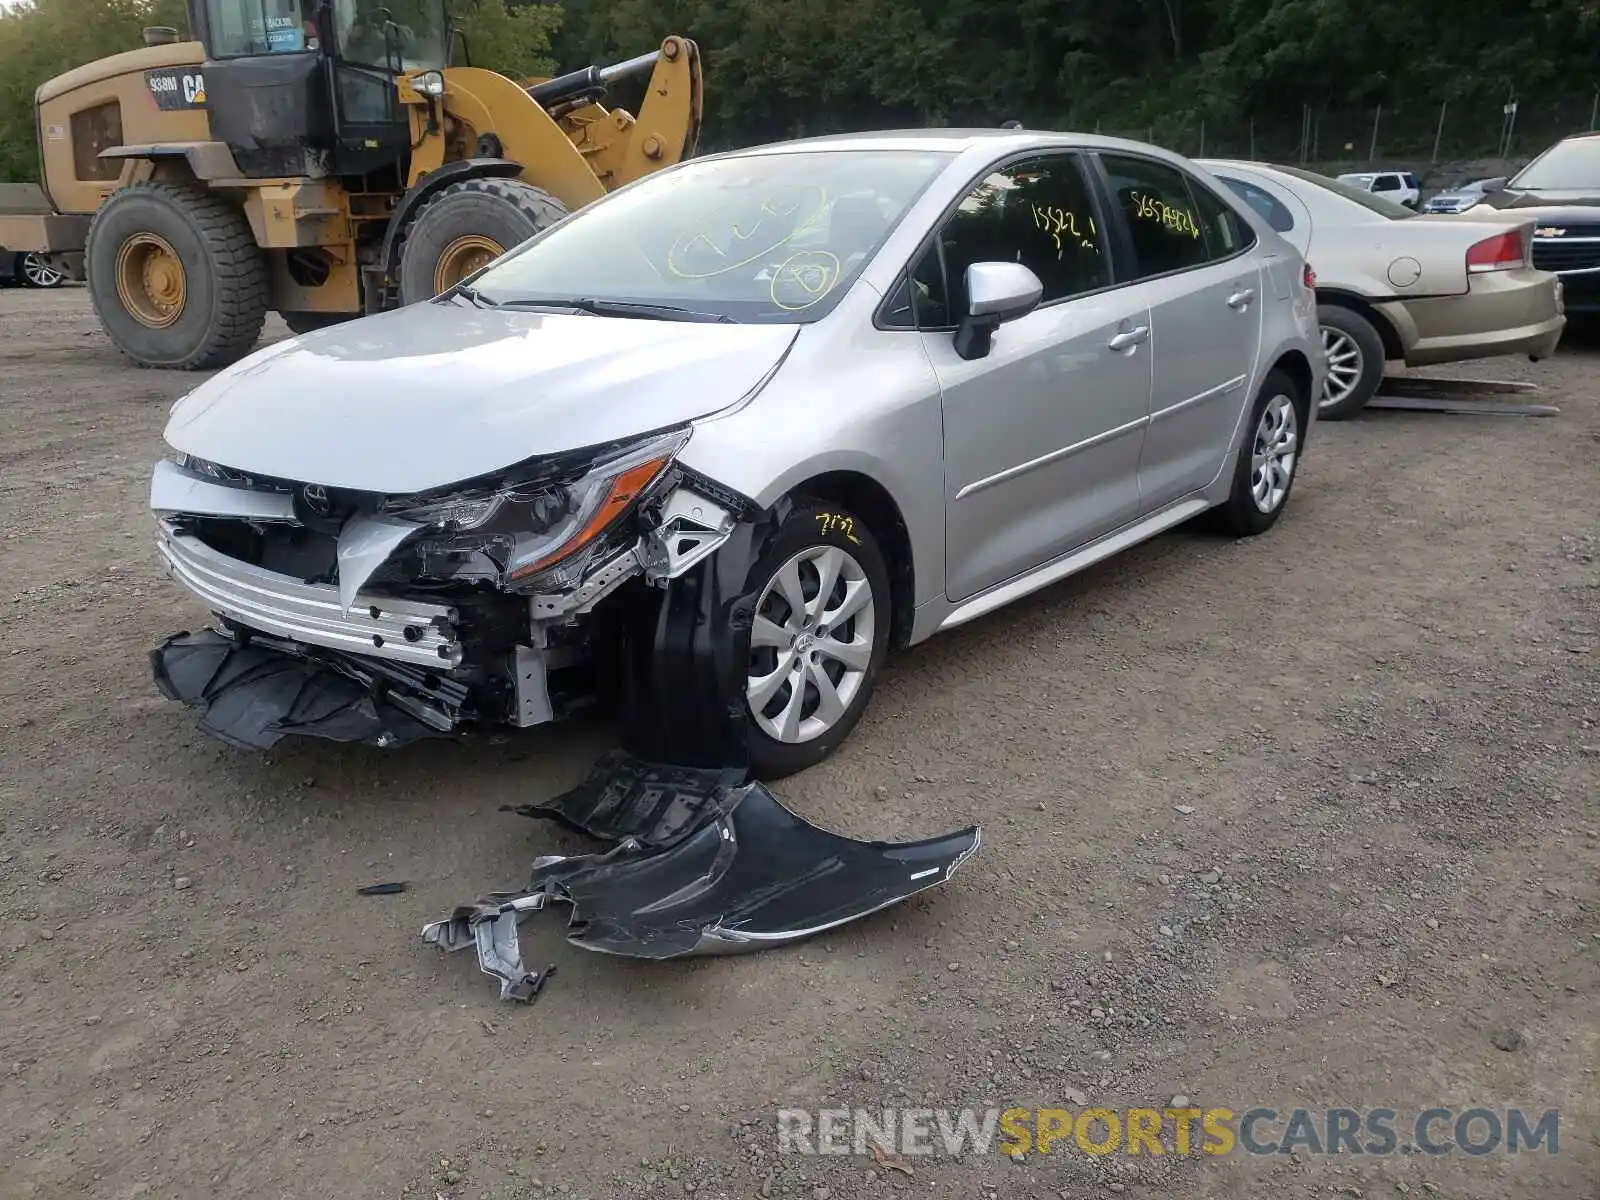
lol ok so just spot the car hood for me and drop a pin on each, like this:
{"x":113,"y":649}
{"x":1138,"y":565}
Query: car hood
{"x":1585,"y":201}
{"x":436,"y":393}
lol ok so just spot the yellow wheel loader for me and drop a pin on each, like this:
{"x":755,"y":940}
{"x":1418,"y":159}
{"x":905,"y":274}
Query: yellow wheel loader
{"x":322,"y":159}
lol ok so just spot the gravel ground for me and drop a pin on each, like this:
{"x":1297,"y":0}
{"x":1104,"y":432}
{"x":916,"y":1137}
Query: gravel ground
{"x":1305,"y":820}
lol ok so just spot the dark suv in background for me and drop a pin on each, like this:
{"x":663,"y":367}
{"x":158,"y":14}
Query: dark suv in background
{"x":1560,"y":190}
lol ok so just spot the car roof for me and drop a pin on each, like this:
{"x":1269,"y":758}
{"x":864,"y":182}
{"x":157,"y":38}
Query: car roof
{"x":954,"y":140}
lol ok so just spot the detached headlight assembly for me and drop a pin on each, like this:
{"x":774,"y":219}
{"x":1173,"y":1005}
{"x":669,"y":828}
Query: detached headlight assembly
{"x":535,"y":534}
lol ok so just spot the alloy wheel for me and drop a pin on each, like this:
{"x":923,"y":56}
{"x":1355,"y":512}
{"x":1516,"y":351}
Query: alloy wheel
{"x":1344,"y":365}
{"x":38,"y":272}
{"x":1273,"y":457}
{"x":810,"y":644}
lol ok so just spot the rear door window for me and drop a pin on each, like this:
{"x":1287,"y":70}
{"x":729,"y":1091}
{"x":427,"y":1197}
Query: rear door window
{"x":1173,"y":220}
{"x":1272,"y":210}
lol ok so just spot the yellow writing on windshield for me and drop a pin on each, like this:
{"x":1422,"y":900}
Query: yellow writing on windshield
{"x":803,"y":279}
{"x":1058,"y":221}
{"x":1153,"y":208}
{"x":724,"y":242}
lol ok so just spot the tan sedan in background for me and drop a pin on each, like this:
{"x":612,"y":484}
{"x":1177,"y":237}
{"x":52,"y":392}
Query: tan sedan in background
{"x":1394,"y":285}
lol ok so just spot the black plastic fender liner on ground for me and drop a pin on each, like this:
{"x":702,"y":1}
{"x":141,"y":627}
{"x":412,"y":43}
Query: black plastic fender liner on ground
{"x":704,"y":863}
{"x":253,"y":696}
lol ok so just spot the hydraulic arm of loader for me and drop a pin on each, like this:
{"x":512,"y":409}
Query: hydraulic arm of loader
{"x":618,"y":146}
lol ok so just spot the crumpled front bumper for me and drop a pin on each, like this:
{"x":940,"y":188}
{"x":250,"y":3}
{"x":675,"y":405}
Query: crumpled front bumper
{"x":704,"y":863}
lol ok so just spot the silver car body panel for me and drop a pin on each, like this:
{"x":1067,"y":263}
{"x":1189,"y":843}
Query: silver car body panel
{"x":429,"y":395}
{"x":851,"y":398}
{"x":174,"y":490}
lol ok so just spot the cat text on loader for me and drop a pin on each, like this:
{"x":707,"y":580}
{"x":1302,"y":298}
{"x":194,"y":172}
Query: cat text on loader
{"x":321,"y":159}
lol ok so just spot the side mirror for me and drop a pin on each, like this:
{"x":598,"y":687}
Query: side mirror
{"x":997,"y":292}
{"x":1491,"y":186}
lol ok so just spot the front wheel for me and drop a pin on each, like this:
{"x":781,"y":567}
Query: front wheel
{"x":818,"y":638}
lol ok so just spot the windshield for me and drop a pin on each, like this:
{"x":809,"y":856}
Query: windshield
{"x":1572,"y":165}
{"x":771,"y":237}
{"x":401,"y":35}
{"x":1384,"y":207}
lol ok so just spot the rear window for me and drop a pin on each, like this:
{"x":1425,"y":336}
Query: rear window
{"x":1268,"y":205}
{"x":1373,"y":203}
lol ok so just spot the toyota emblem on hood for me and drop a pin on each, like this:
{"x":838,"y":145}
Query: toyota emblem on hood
{"x":316,"y":498}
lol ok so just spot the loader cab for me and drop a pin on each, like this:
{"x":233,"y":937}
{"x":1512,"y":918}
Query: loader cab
{"x":307,"y":87}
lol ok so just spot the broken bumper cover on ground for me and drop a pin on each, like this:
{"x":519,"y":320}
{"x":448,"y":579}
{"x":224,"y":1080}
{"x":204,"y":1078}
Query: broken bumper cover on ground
{"x":252,"y":694}
{"x":704,"y":863}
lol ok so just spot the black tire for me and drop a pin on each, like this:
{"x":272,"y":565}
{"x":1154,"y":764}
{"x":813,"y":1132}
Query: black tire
{"x":506,"y":212}
{"x":310,"y":322}
{"x":1364,"y":336}
{"x":819,"y":524}
{"x":225,"y":276}
{"x":1240,"y":515}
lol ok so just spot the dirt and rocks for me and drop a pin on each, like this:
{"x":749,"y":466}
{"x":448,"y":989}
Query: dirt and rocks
{"x":1309,"y":820}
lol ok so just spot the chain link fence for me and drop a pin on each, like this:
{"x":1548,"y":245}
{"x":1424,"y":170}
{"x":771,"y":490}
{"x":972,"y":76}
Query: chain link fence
{"x":1436,"y":139}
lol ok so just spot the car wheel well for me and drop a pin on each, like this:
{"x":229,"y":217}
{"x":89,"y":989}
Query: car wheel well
{"x":1392,"y":349}
{"x":1298,"y":368}
{"x":867,"y":497}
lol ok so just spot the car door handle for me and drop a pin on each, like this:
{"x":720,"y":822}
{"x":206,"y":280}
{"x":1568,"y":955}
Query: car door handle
{"x":1241,"y":298}
{"x":1131,"y":338}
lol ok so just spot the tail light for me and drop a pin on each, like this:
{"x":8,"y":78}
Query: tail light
{"x":1308,"y":277}
{"x":1502,"y":252}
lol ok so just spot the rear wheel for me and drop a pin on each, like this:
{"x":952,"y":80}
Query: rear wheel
{"x":1355,"y":362}
{"x":467,"y":226}
{"x":1265,"y":471}
{"x":35,"y":272}
{"x":176,"y":277}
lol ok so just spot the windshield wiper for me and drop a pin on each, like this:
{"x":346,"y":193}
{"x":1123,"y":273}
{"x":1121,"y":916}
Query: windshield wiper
{"x":621,"y":308}
{"x":470,"y":295}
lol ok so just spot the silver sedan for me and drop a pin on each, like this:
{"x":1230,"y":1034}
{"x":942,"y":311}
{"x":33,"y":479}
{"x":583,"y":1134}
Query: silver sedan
{"x":716,"y":443}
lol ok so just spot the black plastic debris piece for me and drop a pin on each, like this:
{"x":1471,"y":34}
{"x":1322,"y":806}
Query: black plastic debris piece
{"x":381,"y":889}
{"x":253,"y":696}
{"x":704,"y":863}
{"x":656,"y":804}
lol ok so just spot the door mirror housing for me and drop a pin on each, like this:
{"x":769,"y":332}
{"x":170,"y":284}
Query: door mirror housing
{"x":997,"y":292}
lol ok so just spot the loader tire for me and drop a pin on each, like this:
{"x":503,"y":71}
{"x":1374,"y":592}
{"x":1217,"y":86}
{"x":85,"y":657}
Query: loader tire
{"x":176,"y":277}
{"x":466,"y":226}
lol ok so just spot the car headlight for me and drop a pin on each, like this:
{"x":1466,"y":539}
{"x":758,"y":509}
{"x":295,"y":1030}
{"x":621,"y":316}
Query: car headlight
{"x":536,"y":533}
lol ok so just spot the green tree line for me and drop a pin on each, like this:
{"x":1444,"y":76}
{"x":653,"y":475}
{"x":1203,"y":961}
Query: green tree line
{"x":781,"y":68}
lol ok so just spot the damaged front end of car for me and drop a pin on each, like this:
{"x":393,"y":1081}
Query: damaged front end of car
{"x":381,"y":619}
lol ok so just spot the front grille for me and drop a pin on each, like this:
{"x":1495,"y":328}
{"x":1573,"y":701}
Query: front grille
{"x":1559,"y":254}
